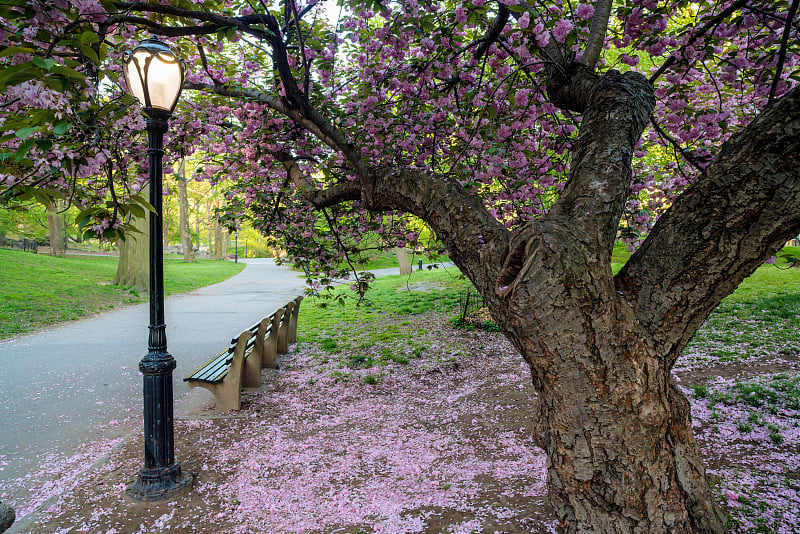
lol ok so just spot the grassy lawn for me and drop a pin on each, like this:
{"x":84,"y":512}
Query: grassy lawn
{"x":762,"y":316}
{"x":322,"y":319}
{"x":38,"y":290}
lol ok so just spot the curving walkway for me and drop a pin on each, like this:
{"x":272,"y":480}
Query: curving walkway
{"x":57,"y":385}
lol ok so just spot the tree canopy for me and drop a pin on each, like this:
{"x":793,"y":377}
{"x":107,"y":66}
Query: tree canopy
{"x":456,"y":90}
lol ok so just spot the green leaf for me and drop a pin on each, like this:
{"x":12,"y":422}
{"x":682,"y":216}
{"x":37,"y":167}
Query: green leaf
{"x":89,"y":37}
{"x":55,"y":83}
{"x":139,"y":199}
{"x":44,"y":144}
{"x":24,"y":133}
{"x":62,"y":127}
{"x":46,"y":64}
{"x":90,"y":53}
{"x":10,"y":50}
{"x":137,"y":211}
{"x":68,"y":72}
{"x":17,"y":74}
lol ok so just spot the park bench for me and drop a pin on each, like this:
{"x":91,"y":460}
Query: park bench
{"x":239,"y":366}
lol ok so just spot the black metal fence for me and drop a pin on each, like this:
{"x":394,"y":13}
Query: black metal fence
{"x":471,"y":301}
{"x":27,"y":245}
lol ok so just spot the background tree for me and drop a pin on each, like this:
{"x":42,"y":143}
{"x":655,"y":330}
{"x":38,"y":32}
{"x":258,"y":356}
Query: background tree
{"x":183,"y":200}
{"x":517,"y":131}
{"x":134,"y":253}
{"x":55,"y":228}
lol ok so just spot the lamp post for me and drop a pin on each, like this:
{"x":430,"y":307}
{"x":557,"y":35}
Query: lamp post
{"x":155,"y":77}
{"x":236,"y":247}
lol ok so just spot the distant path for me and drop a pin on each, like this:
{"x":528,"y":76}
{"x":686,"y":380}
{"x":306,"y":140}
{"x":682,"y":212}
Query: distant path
{"x":56,"y":386}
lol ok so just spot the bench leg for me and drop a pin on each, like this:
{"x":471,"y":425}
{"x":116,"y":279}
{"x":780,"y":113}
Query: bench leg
{"x":227,"y":400}
{"x":283,"y":331}
{"x":270,"y":349}
{"x":229,"y":391}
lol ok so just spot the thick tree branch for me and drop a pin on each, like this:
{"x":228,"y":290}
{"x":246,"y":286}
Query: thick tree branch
{"x":319,"y":198}
{"x":597,"y":33}
{"x":493,"y":34}
{"x":327,"y":134}
{"x":588,"y":209}
{"x":738,"y":213}
{"x":162,"y":29}
{"x":213,"y":18}
{"x":617,"y":112}
{"x":474,"y":239}
{"x":569,"y":85}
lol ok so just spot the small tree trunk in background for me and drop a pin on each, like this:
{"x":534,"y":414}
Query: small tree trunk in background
{"x":56,"y":230}
{"x":220,"y":245}
{"x":165,"y":221}
{"x":210,"y":222}
{"x":183,"y":199}
{"x":197,"y":220}
{"x":132,"y":267}
{"x":402,"y":260}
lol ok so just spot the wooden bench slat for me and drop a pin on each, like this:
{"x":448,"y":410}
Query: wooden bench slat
{"x":206,"y":373}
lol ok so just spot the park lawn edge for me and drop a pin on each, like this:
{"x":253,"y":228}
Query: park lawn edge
{"x":38,"y":292}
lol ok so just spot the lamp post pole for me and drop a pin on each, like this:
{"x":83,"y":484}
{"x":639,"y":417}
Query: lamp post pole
{"x":236,"y":247}
{"x":161,"y":477}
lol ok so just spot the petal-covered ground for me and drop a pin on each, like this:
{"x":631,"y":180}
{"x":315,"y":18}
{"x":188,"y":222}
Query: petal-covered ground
{"x":431,"y":435}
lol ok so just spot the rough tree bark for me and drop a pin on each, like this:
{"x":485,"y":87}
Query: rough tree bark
{"x":210,"y":227}
{"x":183,"y":199}
{"x":132,"y":266}
{"x":197,"y":220}
{"x":220,"y":242}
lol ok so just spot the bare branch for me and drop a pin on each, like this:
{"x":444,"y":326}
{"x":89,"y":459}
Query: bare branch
{"x":782,"y":55}
{"x":713,"y":23}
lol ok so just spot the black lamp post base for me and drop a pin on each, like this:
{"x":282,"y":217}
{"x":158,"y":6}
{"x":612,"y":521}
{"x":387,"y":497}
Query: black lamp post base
{"x":159,"y":484}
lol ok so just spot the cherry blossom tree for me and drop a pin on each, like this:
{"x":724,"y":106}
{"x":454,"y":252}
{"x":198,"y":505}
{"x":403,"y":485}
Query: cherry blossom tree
{"x":527,"y":136}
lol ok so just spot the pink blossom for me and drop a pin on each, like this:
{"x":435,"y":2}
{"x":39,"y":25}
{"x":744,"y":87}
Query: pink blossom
{"x":562,"y":29}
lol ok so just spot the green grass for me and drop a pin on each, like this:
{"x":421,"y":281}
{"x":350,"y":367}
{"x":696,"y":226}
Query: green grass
{"x":762,"y":316}
{"x":385,"y":259}
{"x":320,"y":319}
{"x":38,"y":290}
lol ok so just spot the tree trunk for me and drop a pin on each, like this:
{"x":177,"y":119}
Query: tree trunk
{"x":220,"y":241}
{"x":183,"y":199}
{"x":402,"y":260}
{"x":615,"y":426}
{"x":56,"y":230}
{"x":220,"y":237}
{"x":197,"y":221}
{"x":210,"y":222}
{"x":134,"y":253}
{"x":617,"y":431}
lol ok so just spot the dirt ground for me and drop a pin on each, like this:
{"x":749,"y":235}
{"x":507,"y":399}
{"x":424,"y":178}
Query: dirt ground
{"x":440,"y":443}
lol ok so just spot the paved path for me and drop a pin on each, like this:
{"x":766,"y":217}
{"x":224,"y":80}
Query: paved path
{"x":56,"y":386}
